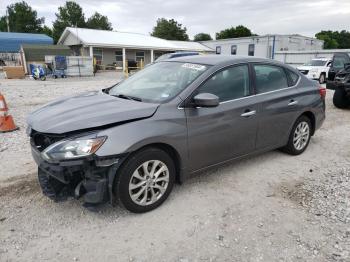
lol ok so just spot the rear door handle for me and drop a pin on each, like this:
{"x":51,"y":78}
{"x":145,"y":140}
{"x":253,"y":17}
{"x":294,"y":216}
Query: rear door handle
{"x":292,"y":103}
{"x":248,"y":113}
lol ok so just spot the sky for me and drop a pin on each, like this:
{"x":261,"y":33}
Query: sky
{"x":305,"y":17}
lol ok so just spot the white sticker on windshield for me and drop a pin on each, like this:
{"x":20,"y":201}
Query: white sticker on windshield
{"x":165,"y":95}
{"x":194,"y":66}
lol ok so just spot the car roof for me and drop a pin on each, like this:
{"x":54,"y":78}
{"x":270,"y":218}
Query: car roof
{"x":185,"y":52}
{"x":218,"y":59}
{"x":179,"y":54}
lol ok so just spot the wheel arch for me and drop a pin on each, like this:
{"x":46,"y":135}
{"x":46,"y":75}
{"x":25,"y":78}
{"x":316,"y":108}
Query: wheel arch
{"x":312,"y":118}
{"x":172,"y":152}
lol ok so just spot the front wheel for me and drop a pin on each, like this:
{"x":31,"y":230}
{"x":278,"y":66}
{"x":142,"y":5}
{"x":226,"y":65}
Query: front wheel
{"x":299,"y":137}
{"x":145,"y":180}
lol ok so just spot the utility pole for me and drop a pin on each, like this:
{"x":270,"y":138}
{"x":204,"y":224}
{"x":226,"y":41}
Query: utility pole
{"x":7,"y":21}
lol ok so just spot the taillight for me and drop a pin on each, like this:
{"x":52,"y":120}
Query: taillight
{"x":322,"y":91}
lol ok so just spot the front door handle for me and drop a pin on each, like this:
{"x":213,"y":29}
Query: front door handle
{"x":248,"y":113}
{"x":293,"y":103}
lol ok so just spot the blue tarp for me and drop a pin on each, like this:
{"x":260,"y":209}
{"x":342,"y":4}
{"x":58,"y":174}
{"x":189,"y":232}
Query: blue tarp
{"x":11,"y":42}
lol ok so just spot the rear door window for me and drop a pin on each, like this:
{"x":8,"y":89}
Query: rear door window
{"x":293,"y":77}
{"x":269,"y":78}
{"x":228,"y":84}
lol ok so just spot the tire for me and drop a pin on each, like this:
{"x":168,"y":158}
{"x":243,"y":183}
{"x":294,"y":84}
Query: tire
{"x":322,"y":78}
{"x":292,"y":147}
{"x":132,"y":173}
{"x":339,"y":99}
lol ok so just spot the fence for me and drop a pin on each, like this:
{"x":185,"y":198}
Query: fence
{"x":11,"y":59}
{"x":133,"y":66}
{"x":76,"y":65}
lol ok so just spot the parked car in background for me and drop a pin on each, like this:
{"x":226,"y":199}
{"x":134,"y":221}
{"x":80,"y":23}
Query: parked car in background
{"x":339,"y":79}
{"x":132,"y":141}
{"x":341,"y":97}
{"x":316,"y":69}
{"x":175,"y":55}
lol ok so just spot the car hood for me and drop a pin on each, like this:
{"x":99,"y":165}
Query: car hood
{"x":86,"y":111}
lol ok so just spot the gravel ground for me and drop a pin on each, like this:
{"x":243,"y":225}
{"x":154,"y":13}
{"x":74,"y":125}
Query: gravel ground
{"x":272,"y":207}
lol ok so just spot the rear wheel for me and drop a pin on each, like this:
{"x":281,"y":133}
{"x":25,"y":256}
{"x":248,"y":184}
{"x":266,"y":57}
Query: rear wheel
{"x":145,"y":180}
{"x":299,"y":137}
{"x":340,"y":100}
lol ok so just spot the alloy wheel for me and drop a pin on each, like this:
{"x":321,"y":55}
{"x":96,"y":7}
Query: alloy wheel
{"x":149,"y":182}
{"x":301,"y":135}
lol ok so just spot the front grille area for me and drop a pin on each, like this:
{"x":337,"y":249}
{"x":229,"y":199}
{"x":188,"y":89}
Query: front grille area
{"x":42,"y":140}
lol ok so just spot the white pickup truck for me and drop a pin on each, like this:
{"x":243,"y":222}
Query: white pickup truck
{"x":316,"y":69}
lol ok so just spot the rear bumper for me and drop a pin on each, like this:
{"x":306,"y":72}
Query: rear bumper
{"x":319,"y":120}
{"x":91,"y":178}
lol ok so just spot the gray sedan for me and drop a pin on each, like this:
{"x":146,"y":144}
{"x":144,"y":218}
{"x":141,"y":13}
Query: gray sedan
{"x":131,"y":142}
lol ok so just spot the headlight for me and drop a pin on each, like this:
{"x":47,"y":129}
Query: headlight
{"x":70,"y":149}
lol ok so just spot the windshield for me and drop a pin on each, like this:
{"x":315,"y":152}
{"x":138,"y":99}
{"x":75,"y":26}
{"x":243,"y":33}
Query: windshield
{"x":316,"y":63}
{"x":158,"y":82}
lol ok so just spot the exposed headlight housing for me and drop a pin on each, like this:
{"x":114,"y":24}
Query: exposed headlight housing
{"x":71,"y":149}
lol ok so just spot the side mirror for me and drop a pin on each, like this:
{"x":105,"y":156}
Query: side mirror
{"x":206,"y":100}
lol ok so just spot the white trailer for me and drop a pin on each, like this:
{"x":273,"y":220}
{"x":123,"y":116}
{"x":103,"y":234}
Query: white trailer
{"x":263,"y":46}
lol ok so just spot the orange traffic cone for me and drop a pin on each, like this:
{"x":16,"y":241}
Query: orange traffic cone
{"x":6,"y":121}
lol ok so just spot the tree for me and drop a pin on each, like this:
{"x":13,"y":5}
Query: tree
{"x":71,"y":14}
{"x":202,"y":37}
{"x":170,"y":30}
{"x":334,"y":39}
{"x":233,"y":32}
{"x":327,"y":37}
{"x":47,"y":31}
{"x":344,"y":39}
{"x":98,"y":21}
{"x":3,"y":24}
{"x":22,"y":18}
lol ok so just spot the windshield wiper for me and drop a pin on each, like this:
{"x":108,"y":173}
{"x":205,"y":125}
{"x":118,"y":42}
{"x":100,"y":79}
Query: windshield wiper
{"x":128,"y":97}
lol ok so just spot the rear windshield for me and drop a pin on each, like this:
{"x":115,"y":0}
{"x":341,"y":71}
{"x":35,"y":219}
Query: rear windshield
{"x":159,"y":82}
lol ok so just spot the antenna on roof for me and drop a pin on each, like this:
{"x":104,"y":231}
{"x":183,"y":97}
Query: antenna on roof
{"x":7,"y":21}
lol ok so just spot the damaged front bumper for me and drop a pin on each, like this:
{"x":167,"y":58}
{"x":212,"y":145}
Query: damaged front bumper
{"x":91,"y":178}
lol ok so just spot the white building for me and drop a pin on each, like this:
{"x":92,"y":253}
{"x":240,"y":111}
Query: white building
{"x":263,"y":46}
{"x":111,"y":47}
